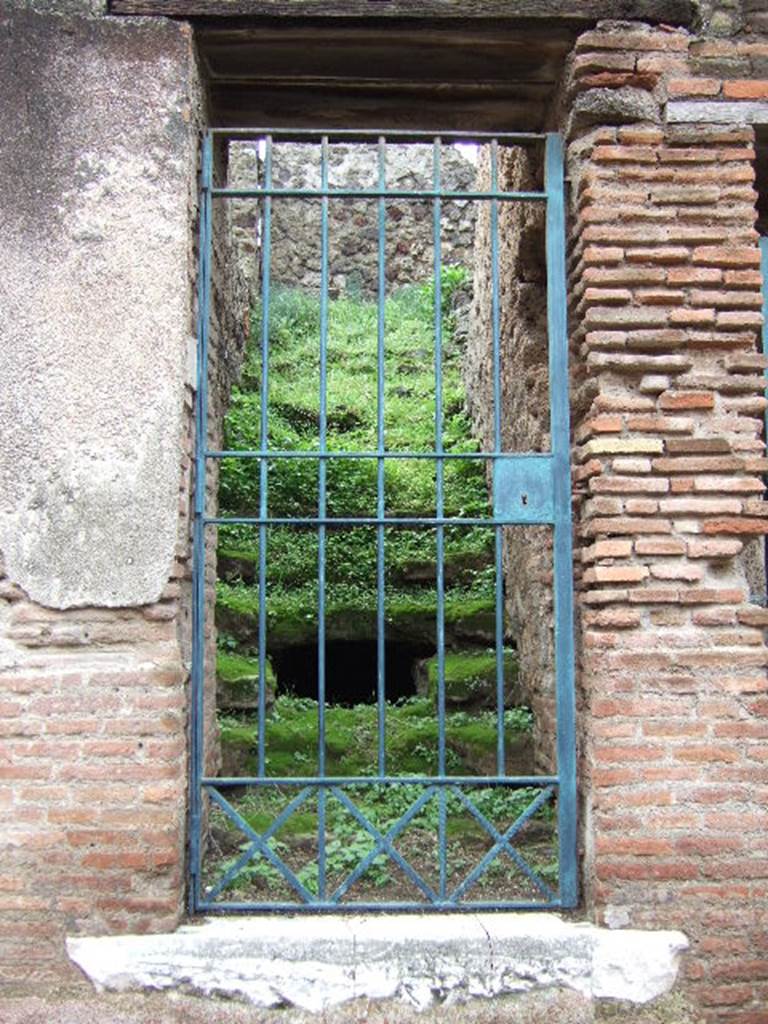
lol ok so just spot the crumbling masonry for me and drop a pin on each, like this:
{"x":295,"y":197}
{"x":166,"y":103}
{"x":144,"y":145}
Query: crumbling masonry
{"x":98,"y":175}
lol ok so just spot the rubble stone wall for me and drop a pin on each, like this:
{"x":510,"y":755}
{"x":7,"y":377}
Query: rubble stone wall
{"x":353,"y":223}
{"x":527,"y":551}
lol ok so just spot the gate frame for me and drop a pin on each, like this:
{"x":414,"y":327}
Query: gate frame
{"x":519,"y":471}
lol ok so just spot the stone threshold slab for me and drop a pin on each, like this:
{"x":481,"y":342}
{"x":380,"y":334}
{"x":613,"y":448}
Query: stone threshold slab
{"x":320,"y":961}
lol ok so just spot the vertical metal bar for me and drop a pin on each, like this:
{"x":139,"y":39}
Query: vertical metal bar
{"x":497,"y":445}
{"x":197,"y":739}
{"x":764,"y":268}
{"x":380,"y":441}
{"x":266,"y":266}
{"x":322,"y":502}
{"x":557,"y":319}
{"x":439,"y":476}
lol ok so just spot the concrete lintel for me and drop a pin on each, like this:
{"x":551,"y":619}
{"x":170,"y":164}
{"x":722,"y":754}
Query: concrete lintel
{"x":716,"y":112}
{"x":317,"y":962}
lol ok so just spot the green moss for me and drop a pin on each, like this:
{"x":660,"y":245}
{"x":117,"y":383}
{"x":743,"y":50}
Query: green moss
{"x":235,"y":668}
{"x":470,"y":677}
{"x":351,"y":738}
{"x":236,"y":736}
{"x":412,"y":735}
{"x":409,"y":485}
{"x":351,"y":612}
{"x":237,"y":681}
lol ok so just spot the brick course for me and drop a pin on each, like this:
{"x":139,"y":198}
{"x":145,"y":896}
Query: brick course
{"x":668,"y":467}
{"x":666,"y":298}
{"x":94,"y":770}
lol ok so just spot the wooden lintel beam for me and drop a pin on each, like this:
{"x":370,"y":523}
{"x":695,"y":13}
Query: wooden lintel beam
{"x":493,"y":53}
{"x":517,"y":86}
{"x":676,"y":12}
{"x":302,"y":108}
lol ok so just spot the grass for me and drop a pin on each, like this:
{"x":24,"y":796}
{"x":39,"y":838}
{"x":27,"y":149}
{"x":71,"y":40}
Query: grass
{"x":351,"y":750}
{"x":412,"y":734}
{"x":409,"y":485}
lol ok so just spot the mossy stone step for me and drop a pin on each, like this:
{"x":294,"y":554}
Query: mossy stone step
{"x":237,"y":682}
{"x":470,"y":679}
{"x":409,"y":619}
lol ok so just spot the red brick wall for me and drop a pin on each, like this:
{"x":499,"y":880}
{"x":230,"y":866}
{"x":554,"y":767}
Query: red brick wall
{"x":674,"y":696}
{"x":669,"y":458}
{"x":93,"y":769}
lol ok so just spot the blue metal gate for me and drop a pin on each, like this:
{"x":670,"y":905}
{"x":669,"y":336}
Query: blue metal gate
{"x":764,"y":269}
{"x":527,"y":488}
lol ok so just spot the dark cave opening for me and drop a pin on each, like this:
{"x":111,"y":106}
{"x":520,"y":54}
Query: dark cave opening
{"x":351,"y":670}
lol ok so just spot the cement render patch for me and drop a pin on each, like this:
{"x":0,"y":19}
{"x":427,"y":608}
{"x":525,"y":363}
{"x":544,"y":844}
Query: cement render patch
{"x":95,"y":303}
{"x":320,"y":962}
{"x":717,"y":112}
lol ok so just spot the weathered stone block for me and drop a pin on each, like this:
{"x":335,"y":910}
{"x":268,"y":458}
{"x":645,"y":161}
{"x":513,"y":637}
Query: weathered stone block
{"x":100,"y":157}
{"x":419,"y":960}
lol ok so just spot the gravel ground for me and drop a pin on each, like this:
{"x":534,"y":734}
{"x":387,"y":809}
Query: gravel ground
{"x":553,"y":1007}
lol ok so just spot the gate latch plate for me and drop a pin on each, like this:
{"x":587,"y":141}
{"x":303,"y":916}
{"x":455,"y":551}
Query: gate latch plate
{"x":523,"y":489}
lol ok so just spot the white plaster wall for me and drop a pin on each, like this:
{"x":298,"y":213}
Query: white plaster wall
{"x":97,"y":170}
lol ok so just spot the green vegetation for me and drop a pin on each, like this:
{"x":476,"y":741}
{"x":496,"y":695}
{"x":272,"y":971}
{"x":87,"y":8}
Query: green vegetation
{"x":351,"y":732}
{"x":411,"y":738}
{"x":383,"y":806}
{"x":235,"y":668}
{"x":410,"y":614}
{"x":409,"y":484}
{"x":470,"y":677}
{"x":237,"y":681}
{"x":291,"y":737}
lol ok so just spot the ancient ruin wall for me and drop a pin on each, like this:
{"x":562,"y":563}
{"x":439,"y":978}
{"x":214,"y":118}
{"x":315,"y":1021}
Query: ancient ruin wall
{"x":527,"y":550}
{"x":668,"y":399}
{"x":667,"y":405}
{"x":97,"y":317}
{"x":726,"y":19}
{"x":353,"y":224}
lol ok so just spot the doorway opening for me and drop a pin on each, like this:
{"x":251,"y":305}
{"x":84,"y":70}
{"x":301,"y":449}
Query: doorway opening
{"x":387,"y":746}
{"x":352,"y":670}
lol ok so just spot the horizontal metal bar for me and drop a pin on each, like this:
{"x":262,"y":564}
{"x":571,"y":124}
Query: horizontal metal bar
{"x":317,"y":134}
{"x":413,"y":521}
{"x":355,"y":908}
{"x":371,"y":193}
{"x":384,"y":453}
{"x":513,"y":781}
